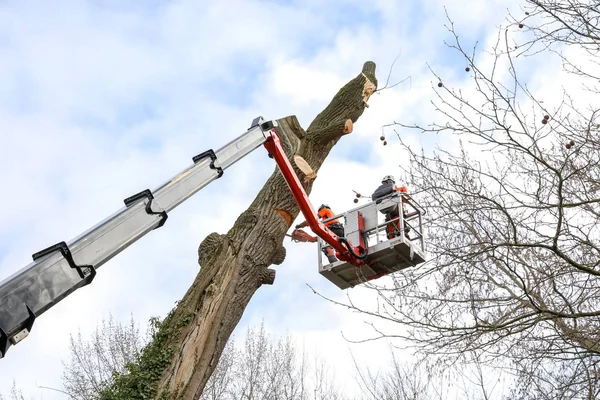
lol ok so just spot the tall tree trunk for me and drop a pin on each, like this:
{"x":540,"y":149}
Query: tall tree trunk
{"x":236,"y":264}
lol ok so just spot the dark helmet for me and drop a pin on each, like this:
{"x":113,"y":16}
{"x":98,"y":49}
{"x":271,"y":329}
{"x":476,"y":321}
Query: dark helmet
{"x":324,"y":206}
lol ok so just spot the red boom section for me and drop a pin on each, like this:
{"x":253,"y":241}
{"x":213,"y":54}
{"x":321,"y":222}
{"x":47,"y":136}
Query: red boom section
{"x":273,"y":146}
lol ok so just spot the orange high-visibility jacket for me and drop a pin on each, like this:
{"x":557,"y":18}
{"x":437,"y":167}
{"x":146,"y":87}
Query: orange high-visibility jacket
{"x":402,"y":189}
{"x":327,"y":213}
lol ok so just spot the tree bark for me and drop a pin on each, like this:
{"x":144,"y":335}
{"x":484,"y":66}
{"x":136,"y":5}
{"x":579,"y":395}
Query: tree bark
{"x":234,"y":265}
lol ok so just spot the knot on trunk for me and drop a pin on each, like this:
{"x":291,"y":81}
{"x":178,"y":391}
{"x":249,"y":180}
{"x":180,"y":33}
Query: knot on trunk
{"x":279,"y":255}
{"x":266,"y":276}
{"x":209,"y":246}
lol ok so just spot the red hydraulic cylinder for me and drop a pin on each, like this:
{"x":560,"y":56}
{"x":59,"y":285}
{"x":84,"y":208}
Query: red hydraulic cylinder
{"x":273,"y":145}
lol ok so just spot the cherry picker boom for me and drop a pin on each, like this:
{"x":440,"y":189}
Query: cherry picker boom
{"x":59,"y":270}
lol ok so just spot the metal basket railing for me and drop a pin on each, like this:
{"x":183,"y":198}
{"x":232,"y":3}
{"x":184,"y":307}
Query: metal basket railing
{"x":411,"y":215}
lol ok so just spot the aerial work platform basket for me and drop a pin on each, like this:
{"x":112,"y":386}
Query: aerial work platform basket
{"x":393,"y":244}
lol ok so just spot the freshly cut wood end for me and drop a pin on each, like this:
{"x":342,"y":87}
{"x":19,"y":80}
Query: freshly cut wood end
{"x":286,"y":215}
{"x":348,"y":126}
{"x":368,"y":89}
{"x":304,"y":166}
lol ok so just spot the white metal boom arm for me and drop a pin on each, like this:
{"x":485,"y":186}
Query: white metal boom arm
{"x":61,"y":269}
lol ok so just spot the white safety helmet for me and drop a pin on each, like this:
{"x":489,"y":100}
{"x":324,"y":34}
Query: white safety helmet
{"x":388,"y":178}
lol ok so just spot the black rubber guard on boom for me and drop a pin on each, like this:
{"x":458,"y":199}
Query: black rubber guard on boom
{"x":147,"y":194}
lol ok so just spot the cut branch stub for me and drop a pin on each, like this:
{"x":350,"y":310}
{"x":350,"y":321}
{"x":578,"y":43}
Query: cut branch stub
{"x":348,"y":126}
{"x":267,"y":277}
{"x":304,"y":167}
{"x":309,"y":173}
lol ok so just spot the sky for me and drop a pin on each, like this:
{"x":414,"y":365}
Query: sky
{"x":100,"y":100}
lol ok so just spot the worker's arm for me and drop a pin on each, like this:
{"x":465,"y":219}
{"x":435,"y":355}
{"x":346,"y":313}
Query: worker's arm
{"x":302,"y":225}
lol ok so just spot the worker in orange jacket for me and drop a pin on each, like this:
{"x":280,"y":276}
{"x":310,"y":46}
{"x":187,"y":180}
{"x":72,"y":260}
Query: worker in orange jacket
{"x":334,"y":225}
{"x":388,"y":186}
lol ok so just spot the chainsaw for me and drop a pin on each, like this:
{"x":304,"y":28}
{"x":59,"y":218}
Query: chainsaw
{"x":298,"y":235}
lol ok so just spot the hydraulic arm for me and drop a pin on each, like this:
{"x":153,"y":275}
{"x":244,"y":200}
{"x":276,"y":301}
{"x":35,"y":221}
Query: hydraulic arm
{"x":344,"y":250}
{"x":59,"y":270}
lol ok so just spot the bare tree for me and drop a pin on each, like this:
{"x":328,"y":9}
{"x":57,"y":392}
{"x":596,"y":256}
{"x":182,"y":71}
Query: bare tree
{"x":514,"y":233}
{"x":556,"y":25}
{"x":14,"y":394}
{"x":562,"y":27}
{"x":95,"y":360}
{"x":262,"y":368}
{"x":323,"y":382}
{"x":269,"y":368}
{"x":252,"y":366}
{"x":427,"y":380}
{"x":400,"y":381}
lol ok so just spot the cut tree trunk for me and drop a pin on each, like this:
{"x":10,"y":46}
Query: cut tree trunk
{"x":236,"y":264}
